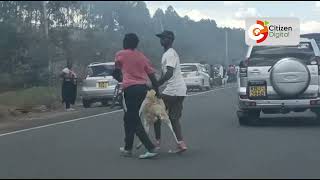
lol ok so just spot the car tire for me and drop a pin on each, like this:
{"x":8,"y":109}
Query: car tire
{"x":248,"y":117}
{"x":86,"y":103}
{"x":211,"y":84}
{"x":208,"y":87}
{"x":105,"y":103}
{"x":202,"y":87}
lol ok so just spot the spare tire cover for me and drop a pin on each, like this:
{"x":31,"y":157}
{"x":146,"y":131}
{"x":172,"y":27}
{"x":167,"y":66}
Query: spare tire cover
{"x":289,"y":77}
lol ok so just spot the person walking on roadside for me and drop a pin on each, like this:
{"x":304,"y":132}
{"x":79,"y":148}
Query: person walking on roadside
{"x":133,"y":69}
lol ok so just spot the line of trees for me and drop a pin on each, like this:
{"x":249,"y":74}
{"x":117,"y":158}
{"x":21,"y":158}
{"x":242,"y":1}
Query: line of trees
{"x":84,"y":32}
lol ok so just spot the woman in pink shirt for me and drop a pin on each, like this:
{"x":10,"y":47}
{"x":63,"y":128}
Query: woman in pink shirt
{"x":135,"y":69}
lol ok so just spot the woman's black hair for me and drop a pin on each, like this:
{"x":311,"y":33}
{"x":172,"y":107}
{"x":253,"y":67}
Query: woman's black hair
{"x":130,"y":41}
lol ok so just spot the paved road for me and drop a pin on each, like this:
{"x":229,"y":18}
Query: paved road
{"x":219,"y":147}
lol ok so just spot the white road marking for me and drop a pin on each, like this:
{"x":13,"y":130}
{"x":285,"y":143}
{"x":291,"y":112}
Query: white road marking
{"x":205,"y":92}
{"x":97,"y":115}
{"x":64,"y":122}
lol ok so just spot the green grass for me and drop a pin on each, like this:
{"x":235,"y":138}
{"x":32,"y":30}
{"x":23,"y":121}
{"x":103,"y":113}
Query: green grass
{"x":31,"y":97}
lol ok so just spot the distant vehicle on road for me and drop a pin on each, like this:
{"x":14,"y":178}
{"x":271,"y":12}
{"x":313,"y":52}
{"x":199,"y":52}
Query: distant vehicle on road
{"x":99,"y":85}
{"x":279,"y":79}
{"x":195,"y":75}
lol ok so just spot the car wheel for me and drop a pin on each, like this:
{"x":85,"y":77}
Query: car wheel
{"x":105,"y":102}
{"x":208,"y":87}
{"x":86,"y":103}
{"x":202,"y":88}
{"x":211,"y":84}
{"x":248,"y":117}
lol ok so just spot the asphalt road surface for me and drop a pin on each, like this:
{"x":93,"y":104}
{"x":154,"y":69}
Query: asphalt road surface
{"x":88,"y":147}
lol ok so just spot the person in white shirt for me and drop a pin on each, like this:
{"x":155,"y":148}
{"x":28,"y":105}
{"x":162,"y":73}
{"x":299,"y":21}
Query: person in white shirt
{"x":175,"y":88}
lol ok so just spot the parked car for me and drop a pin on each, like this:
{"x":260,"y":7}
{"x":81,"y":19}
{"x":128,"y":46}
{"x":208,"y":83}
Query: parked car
{"x":195,"y":75}
{"x":279,"y":79}
{"x":99,"y":85}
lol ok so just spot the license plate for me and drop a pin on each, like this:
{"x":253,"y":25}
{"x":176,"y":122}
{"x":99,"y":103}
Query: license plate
{"x":257,"y":91}
{"x":102,"y":85}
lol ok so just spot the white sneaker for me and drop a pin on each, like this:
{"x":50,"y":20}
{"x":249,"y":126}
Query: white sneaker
{"x":125,"y":153}
{"x":148,"y":155}
{"x":70,"y":109}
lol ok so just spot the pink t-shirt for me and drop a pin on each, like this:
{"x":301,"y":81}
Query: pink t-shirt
{"x":135,"y":67}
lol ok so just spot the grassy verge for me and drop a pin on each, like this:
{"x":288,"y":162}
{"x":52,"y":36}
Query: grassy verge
{"x":29,"y":99}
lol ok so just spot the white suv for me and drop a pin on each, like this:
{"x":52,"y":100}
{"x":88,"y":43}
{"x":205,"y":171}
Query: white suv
{"x":99,"y":85}
{"x":279,"y":79}
{"x":195,"y":75}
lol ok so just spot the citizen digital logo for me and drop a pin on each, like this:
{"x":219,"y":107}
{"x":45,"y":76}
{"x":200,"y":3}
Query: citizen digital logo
{"x":272,"y":31}
{"x":279,"y":31}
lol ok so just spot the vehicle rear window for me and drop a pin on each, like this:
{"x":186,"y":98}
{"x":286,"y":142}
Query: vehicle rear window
{"x":101,"y":70}
{"x":269,"y":55}
{"x":189,"y":68}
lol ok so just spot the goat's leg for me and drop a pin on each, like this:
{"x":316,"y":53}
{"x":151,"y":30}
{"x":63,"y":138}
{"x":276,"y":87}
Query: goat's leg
{"x":168,"y":122}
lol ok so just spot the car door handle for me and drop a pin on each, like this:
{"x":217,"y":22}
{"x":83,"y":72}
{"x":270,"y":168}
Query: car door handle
{"x":255,"y":71}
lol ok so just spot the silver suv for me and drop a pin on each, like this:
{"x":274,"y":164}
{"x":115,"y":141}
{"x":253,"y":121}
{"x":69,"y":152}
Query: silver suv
{"x":279,"y":79}
{"x":99,"y":85}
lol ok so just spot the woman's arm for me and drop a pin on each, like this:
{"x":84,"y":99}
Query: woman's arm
{"x":117,"y":75}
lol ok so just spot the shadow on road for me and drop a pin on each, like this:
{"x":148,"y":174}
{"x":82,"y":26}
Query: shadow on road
{"x":288,"y":122}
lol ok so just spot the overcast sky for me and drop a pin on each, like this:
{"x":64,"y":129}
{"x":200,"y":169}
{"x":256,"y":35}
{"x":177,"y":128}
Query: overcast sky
{"x":232,"y":13}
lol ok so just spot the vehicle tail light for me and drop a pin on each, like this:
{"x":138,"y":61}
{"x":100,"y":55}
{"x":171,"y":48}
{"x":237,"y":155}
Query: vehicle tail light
{"x":244,"y":68}
{"x":317,"y":59}
{"x":243,"y":97}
